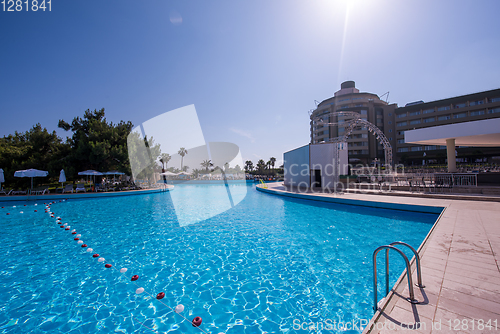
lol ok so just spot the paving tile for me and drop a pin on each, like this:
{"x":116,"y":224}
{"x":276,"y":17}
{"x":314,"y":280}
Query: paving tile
{"x":458,"y":263}
{"x":475,"y":301}
{"x":471,"y":290}
{"x":465,"y":310}
{"x":484,"y":285}
{"x":478,"y":275}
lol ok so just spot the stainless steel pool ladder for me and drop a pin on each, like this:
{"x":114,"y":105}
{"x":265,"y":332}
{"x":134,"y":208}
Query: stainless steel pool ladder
{"x":411,"y":299}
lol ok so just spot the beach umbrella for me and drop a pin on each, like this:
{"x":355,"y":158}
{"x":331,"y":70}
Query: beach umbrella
{"x":90,"y":172}
{"x":31,"y":173}
{"x":62,"y":177}
{"x":2,"y":179}
{"x":167,"y":173}
{"x":114,"y":172}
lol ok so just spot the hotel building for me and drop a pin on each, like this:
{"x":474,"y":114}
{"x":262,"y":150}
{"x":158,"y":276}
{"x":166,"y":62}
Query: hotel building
{"x":465,"y":108}
{"x":362,"y":145}
{"x":393,"y":121}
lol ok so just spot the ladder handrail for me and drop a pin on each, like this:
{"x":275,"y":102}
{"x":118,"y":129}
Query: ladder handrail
{"x":417,"y":260}
{"x":411,"y":299}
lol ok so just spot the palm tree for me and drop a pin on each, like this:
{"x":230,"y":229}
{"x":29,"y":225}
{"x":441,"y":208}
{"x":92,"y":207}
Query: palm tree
{"x":261,"y":165}
{"x":165,"y":158}
{"x":207,"y":164}
{"x":182,"y":152}
{"x":248,"y":165}
{"x":272,"y":160}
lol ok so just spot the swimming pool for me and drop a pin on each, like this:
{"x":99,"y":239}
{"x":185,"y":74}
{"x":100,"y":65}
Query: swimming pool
{"x":270,"y":264}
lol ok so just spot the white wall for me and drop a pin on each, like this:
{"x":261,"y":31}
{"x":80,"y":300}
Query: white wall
{"x":296,"y":165}
{"x":322,"y":158}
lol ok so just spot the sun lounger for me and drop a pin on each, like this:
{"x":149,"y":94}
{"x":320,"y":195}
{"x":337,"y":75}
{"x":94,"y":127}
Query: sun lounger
{"x":80,"y":187}
{"x":18,"y":192}
{"x":68,"y":188}
{"x":40,"y":190}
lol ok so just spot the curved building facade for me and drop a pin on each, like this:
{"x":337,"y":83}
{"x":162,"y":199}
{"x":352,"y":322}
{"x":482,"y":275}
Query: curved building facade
{"x":362,"y":144}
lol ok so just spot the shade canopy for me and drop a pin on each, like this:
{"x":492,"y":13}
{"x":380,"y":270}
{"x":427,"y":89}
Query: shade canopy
{"x":90,"y":172}
{"x":2,"y":179}
{"x":113,"y":172}
{"x":184,"y":173}
{"x":31,"y":173}
{"x":167,"y":173}
{"x":62,"y":176}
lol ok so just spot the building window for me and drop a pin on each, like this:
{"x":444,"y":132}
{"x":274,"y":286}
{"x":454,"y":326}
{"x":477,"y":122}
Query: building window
{"x":401,"y":141}
{"x":444,"y":108}
{"x":428,"y":111}
{"x":414,"y":113}
{"x":401,"y":115}
{"x":401,"y":123}
{"x":390,"y":130}
{"x":477,"y":112}
{"x":494,"y":110}
{"x":358,"y":105}
{"x":390,"y":138}
{"x":390,"y":114}
{"x":402,"y":149}
{"x":444,"y":118}
{"x":415,"y":121}
{"x":495,"y":99}
{"x":430,"y":119}
{"x":363,"y":112}
{"x":390,"y":122}
{"x":416,"y":148}
{"x":460,"y":105}
{"x":401,"y":133}
{"x":461,"y":115}
{"x":430,"y":147}
{"x":476,"y":103}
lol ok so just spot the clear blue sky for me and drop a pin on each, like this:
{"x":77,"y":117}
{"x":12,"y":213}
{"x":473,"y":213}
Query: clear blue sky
{"x":252,"y":68}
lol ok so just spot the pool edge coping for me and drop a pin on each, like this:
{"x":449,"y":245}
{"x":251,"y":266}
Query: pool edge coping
{"x":31,"y":198}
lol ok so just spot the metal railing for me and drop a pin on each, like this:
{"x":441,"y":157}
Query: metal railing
{"x":411,"y":298}
{"x":455,"y":179}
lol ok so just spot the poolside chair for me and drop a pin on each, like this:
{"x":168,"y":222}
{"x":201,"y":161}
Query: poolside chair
{"x":2,"y":191}
{"x":40,"y":190}
{"x":18,"y":192}
{"x":68,"y":188}
{"x":99,"y":187}
{"x":80,"y":187}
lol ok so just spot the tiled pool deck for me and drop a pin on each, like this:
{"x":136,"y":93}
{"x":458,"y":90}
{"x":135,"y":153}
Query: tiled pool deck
{"x":460,"y":269}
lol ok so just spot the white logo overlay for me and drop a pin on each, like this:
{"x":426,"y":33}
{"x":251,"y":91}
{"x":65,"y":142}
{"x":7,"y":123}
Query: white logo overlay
{"x":170,"y":148}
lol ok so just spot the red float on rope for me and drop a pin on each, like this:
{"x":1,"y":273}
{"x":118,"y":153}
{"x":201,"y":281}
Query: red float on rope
{"x":73,"y":232}
{"x":160,"y":295}
{"x":84,"y":245}
{"x":107,"y":265}
{"x":76,"y":239}
{"x":8,"y":213}
{"x":35,"y":211}
{"x":197,"y":322}
{"x":135,"y":278}
{"x":61,"y":226}
{"x":67,"y":228}
{"x":95,"y":255}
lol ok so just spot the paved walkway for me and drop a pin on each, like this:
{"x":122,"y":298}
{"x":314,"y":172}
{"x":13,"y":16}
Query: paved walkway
{"x":460,"y":270}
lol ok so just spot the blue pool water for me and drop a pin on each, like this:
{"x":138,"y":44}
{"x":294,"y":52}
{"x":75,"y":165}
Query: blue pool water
{"x":268,"y":265}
